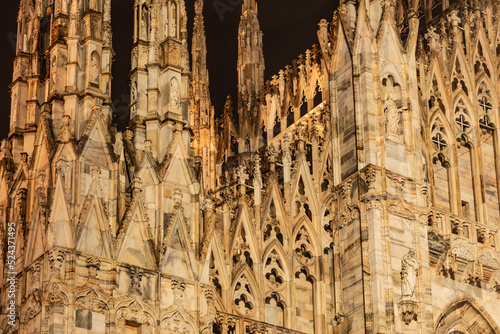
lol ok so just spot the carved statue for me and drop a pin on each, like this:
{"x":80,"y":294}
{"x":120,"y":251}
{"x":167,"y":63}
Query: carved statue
{"x":174,"y":93}
{"x":94,"y":69}
{"x":391,"y":116}
{"x":133,"y":93}
{"x":53,"y":72}
{"x":409,"y":270}
{"x":13,"y":118}
{"x":144,"y":25}
{"x":173,"y":21}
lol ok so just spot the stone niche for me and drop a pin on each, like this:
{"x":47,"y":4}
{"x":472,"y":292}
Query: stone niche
{"x":171,"y":53}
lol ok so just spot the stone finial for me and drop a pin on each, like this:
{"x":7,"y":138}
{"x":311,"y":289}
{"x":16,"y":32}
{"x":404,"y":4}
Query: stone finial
{"x":454,"y":18}
{"x":272,"y":154}
{"x":433,"y":40}
{"x":300,"y":131}
{"x":241,"y":175}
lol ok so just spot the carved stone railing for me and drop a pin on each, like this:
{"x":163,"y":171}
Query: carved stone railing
{"x":226,"y":323}
{"x":464,"y":250}
{"x":448,"y":225}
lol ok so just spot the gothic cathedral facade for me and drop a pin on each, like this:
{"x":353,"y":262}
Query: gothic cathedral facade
{"x":358,"y":192}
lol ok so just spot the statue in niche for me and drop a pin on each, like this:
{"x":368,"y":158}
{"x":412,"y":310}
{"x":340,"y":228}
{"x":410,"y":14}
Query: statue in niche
{"x":173,"y":20}
{"x":174,"y":93}
{"x":409,"y":271}
{"x":165,"y":21}
{"x":391,"y":116}
{"x":133,"y":93}
{"x":53,"y":72}
{"x":13,"y":118}
{"x":94,"y":69}
{"x":144,"y":24}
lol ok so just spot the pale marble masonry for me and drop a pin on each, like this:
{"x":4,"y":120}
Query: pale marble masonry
{"x":358,"y":193}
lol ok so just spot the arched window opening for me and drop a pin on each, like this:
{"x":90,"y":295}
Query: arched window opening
{"x":465,"y":161}
{"x":318,"y":95}
{"x":440,"y":168}
{"x":303,"y":107}
{"x":263,"y":134}
{"x":290,"y":118}
{"x":275,"y":314}
{"x":489,"y":152}
{"x":234,"y":145}
{"x":305,"y":301}
{"x":277,"y":127}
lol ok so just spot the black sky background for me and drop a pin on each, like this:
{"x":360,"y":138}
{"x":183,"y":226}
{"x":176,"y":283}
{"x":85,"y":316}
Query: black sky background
{"x":289,"y":28}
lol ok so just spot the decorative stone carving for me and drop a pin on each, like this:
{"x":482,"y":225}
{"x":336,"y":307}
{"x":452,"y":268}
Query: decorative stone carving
{"x":136,"y":280}
{"x":176,"y":324}
{"x":178,"y":288}
{"x":94,"y":69}
{"x":370,"y":177}
{"x":243,"y":298}
{"x":392,"y":115}
{"x":56,"y":260}
{"x":174,"y":93}
{"x":93,"y":265}
{"x":409,"y":272}
{"x":302,"y":247}
{"x":408,"y":310}
{"x":473,"y":273}
{"x":32,"y":308}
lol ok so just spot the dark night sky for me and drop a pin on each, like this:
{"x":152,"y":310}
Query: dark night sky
{"x":289,"y":28}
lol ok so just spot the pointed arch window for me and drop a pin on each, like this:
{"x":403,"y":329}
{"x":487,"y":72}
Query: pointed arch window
{"x":465,"y":160}
{"x":489,"y":150}
{"x":290,"y":118}
{"x":440,"y":170}
{"x":277,"y":126}
{"x":275,"y":314}
{"x":305,"y":301}
{"x":318,"y":95}
{"x":303,"y":106}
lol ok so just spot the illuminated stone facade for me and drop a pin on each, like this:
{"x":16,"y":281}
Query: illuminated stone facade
{"x":358,"y":192}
